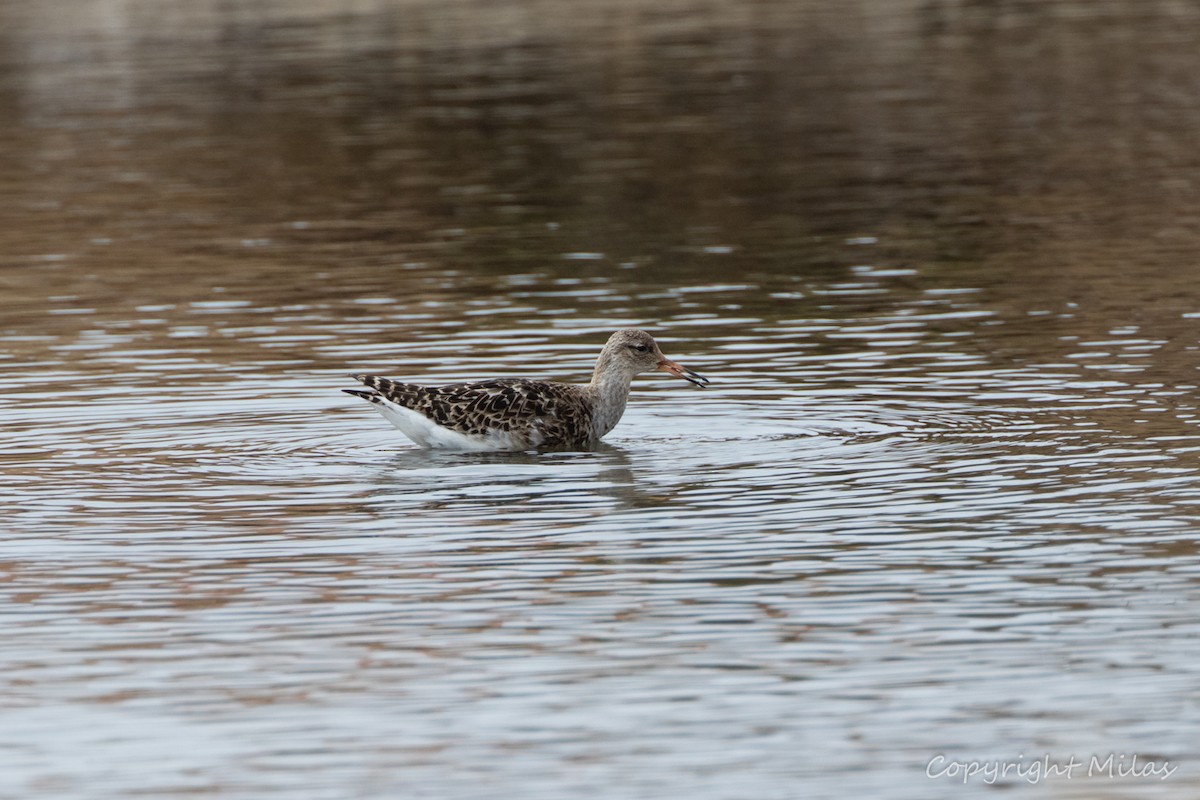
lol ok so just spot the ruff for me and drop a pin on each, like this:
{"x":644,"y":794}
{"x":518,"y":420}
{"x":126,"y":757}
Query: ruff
{"x":521,"y":414}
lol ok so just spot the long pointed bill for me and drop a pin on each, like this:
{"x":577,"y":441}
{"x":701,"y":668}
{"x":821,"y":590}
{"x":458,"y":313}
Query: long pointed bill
{"x":680,"y":371}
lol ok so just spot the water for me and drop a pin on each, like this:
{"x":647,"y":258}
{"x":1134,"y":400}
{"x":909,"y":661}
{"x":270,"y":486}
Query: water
{"x":942,"y":497}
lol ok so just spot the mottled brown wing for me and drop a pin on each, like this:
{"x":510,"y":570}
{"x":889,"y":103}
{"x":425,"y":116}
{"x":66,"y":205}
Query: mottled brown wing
{"x":554,"y":410}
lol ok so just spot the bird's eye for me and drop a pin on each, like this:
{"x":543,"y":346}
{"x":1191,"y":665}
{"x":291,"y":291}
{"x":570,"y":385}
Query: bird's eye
{"x":641,"y":348}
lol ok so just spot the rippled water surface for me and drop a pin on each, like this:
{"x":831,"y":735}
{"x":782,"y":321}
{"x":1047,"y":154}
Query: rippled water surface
{"x":943,"y":496}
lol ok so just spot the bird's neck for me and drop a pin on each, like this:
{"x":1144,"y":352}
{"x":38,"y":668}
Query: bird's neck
{"x":610,"y":391}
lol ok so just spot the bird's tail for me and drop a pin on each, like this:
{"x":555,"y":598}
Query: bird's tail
{"x":371,"y":397}
{"x":369,"y":394}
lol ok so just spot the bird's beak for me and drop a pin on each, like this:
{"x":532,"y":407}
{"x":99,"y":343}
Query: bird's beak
{"x":680,"y":371}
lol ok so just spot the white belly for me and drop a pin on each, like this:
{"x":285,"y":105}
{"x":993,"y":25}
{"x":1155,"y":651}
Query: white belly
{"x":427,"y":433}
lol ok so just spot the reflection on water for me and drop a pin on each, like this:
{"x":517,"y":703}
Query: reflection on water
{"x":942,"y":496}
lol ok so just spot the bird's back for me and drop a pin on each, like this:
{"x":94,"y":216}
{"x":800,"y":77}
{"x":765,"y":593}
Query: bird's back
{"x":495,"y":414}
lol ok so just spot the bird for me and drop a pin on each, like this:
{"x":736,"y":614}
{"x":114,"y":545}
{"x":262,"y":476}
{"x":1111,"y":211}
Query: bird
{"x":515,"y":414}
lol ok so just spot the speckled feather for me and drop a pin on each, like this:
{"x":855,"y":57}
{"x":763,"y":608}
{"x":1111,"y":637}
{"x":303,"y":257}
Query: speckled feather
{"x":543,"y":414}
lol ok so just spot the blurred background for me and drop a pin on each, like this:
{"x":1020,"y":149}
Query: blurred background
{"x":939,"y":257}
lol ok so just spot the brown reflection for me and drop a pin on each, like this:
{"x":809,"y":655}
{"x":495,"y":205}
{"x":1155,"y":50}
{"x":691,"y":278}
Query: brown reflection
{"x":1026,"y":140}
{"x":297,"y":157}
